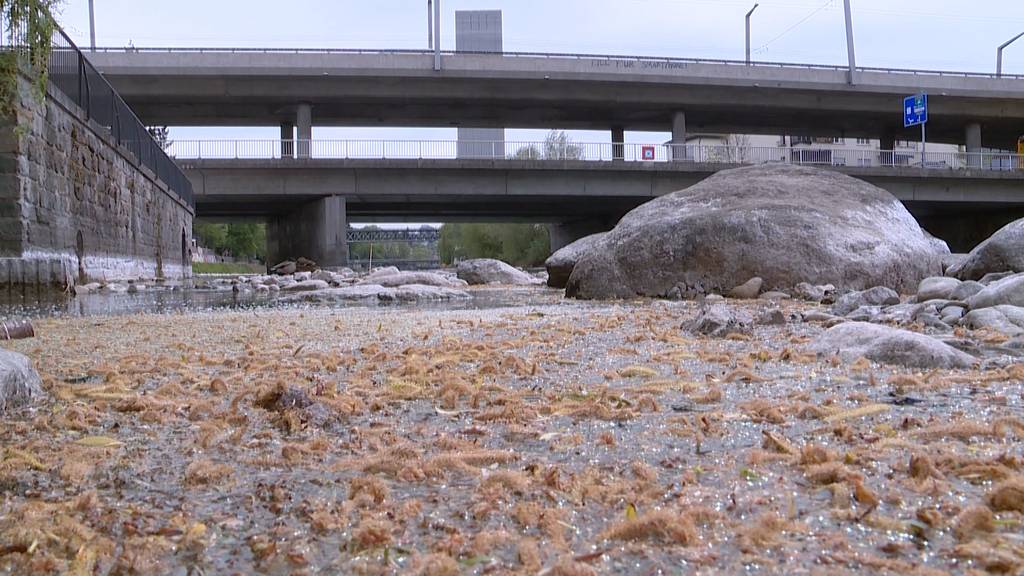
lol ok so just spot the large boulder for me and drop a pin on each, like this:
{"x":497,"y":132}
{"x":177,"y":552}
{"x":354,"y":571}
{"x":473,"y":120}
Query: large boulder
{"x":887,"y":345}
{"x":1002,"y":252}
{"x":785,"y":224}
{"x":560,"y":264}
{"x":19,"y":382}
{"x":490,"y":271}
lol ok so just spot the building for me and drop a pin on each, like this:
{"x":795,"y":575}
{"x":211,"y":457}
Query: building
{"x":479,"y":31}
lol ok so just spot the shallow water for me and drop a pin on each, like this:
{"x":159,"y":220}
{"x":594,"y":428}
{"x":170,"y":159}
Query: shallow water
{"x":162,"y":300}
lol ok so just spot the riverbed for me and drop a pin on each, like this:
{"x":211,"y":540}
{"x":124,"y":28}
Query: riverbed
{"x":516,"y":432}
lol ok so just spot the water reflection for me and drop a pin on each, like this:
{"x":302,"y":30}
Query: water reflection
{"x":27,"y":302}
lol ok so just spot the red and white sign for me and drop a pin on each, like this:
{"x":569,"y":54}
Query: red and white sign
{"x":647,"y":152}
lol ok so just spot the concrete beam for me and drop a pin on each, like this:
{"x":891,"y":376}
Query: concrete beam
{"x":972,"y":137}
{"x":488,"y":90}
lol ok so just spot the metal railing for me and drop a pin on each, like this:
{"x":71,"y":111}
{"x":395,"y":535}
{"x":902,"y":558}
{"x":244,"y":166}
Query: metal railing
{"x":71,"y":74}
{"x":528,"y":151}
{"x":561,"y":56}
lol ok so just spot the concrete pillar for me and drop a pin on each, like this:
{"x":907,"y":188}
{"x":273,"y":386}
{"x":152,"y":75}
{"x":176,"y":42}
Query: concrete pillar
{"x":618,"y":138}
{"x":886,"y":145}
{"x":972,"y":136}
{"x":562,"y":234}
{"x":304,"y":124}
{"x":316,"y":230}
{"x":678,"y":136}
{"x":287,"y":140}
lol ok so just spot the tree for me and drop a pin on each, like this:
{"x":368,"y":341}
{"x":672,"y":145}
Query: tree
{"x":518,"y":244}
{"x":239,"y":239}
{"x":530,"y":152}
{"x":557,"y":146}
{"x":162,"y":136}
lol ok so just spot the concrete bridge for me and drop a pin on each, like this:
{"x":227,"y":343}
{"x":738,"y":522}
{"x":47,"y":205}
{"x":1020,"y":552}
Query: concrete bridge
{"x":307,"y":201}
{"x":302,"y":88}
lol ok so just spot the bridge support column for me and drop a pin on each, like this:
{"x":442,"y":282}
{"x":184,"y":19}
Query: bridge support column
{"x":618,"y":138}
{"x":886,"y":145}
{"x":678,"y":149}
{"x":972,"y":136}
{"x":562,"y":234}
{"x":287,"y":140}
{"x":316,"y":230}
{"x":304,"y":123}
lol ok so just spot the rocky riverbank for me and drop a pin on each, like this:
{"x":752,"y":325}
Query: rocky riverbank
{"x":574,"y":438}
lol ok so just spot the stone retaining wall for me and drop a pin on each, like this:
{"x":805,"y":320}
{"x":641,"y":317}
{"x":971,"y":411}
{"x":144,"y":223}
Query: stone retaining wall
{"x":75,"y":207}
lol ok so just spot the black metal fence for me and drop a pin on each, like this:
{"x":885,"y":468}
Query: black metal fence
{"x":71,"y":73}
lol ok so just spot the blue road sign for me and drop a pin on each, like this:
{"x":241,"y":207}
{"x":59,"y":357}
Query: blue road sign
{"x":915,"y":110}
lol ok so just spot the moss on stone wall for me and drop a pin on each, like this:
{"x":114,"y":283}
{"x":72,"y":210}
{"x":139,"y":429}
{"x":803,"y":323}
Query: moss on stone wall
{"x":28,"y":29}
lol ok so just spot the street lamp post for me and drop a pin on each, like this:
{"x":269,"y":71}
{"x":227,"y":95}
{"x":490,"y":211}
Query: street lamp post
{"x":92,"y":26}
{"x":430,"y":25}
{"x":999,"y":54}
{"x":437,"y":35}
{"x":748,"y":31}
{"x":849,"y":41}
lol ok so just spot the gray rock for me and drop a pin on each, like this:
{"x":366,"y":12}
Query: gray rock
{"x":1001,"y":252}
{"x":302,"y":276}
{"x":748,"y":290}
{"x":774,"y":296}
{"x":933,"y":321}
{"x":952,"y":314}
{"x":818,"y":316}
{"x":1009,"y":290}
{"x":422,"y":278}
{"x":20,"y":384}
{"x":864,"y":314}
{"x":1006,"y":319}
{"x":994,"y":277}
{"x":490,"y":271}
{"x":306,"y":286}
{"x":936,"y":287}
{"x":424,"y":293}
{"x":811,"y":293}
{"x":965,"y":290}
{"x":771,"y":317}
{"x":285,"y":268}
{"x":115,"y":288}
{"x":560,"y":264}
{"x":719,"y":320}
{"x":887,"y":345}
{"x":380,"y":272}
{"x":877,"y":296}
{"x":325,"y":275}
{"x":378,"y":293}
{"x":786,"y":224}
{"x":952,"y":260}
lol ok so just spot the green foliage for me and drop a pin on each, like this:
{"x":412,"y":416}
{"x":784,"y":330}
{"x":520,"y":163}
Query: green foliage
{"x":517,"y":244}
{"x":29,"y":27}
{"x":227,"y":268}
{"x":240,"y":239}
